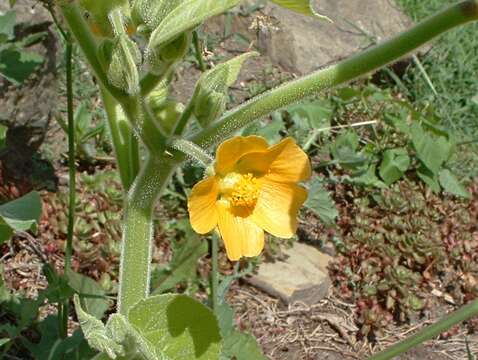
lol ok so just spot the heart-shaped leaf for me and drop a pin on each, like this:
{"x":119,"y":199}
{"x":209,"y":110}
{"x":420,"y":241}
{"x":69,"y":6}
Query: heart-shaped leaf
{"x":177,"y":326}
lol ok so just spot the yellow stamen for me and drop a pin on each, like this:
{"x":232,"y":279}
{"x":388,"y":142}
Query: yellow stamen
{"x":240,"y":189}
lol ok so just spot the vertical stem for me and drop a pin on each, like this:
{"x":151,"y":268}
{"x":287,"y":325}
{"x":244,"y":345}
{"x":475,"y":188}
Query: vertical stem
{"x":198,"y":51}
{"x":138,"y":231}
{"x":214,"y":271}
{"x":71,"y":155}
{"x":64,"y":308}
{"x":429,"y":332}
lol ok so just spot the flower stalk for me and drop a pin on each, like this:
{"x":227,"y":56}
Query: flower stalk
{"x":429,"y":332}
{"x":345,"y":71}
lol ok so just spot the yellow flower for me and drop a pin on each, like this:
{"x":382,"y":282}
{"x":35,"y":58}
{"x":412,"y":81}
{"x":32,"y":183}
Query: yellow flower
{"x":254,"y":189}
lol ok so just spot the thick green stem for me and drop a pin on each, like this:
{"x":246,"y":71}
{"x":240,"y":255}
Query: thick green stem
{"x":138,"y":231}
{"x":465,"y":313}
{"x":125,"y":144}
{"x":347,"y":70}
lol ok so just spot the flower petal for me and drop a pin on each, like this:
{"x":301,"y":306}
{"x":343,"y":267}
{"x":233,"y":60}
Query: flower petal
{"x":277,"y":207}
{"x":284,"y":162}
{"x":202,"y":205}
{"x":242,"y":237}
{"x":230,"y":151}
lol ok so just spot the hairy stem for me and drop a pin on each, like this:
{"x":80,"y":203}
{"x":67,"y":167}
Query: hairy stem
{"x":138,"y":231}
{"x":429,"y":332}
{"x":346,"y":70}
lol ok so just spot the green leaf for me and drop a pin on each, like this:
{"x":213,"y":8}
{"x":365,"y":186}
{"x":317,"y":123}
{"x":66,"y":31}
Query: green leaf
{"x":4,"y":342}
{"x":3,"y":136}
{"x":394,"y":165}
{"x":270,"y":130}
{"x":345,"y":150}
{"x":16,"y":66}
{"x":53,"y":347}
{"x":241,"y":346}
{"x":452,"y":185}
{"x":21,"y":214}
{"x":432,"y":151}
{"x":187,"y":15}
{"x":183,"y":265}
{"x":90,"y":291}
{"x":178,"y":326}
{"x":210,"y":96}
{"x":321,"y":203}
{"x":429,"y":178}
{"x":300,"y":6}
{"x":7,"y":25}
{"x":96,"y":334}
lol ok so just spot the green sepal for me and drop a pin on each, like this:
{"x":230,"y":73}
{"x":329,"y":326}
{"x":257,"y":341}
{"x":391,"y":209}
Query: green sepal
{"x":209,"y":107}
{"x":210,"y":96}
{"x":123,"y":68}
{"x":98,"y":11}
{"x":105,"y":52}
{"x":149,"y":13}
{"x":160,"y":59}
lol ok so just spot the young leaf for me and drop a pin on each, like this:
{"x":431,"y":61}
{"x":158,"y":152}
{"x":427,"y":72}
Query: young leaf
{"x":452,"y":185}
{"x":300,"y":6}
{"x":96,"y":334}
{"x":20,"y":215}
{"x":394,"y":165}
{"x":177,"y":326}
{"x":187,"y":15}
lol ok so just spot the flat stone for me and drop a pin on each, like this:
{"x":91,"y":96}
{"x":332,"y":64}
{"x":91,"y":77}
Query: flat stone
{"x":302,"y":276}
{"x":302,"y":44}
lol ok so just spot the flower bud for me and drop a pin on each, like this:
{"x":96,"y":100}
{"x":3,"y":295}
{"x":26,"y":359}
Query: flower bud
{"x":209,"y":107}
{"x":123,"y":68}
{"x":160,"y":59}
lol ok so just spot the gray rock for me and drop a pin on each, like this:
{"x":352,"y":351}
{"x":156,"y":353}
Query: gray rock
{"x":302,"y":276}
{"x":302,"y":44}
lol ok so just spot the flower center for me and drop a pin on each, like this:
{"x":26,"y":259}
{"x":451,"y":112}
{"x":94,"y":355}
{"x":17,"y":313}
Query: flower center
{"x":240,"y":189}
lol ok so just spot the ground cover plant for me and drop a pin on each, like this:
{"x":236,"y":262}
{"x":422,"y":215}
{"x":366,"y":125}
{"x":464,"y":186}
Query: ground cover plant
{"x":134,"y":49}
